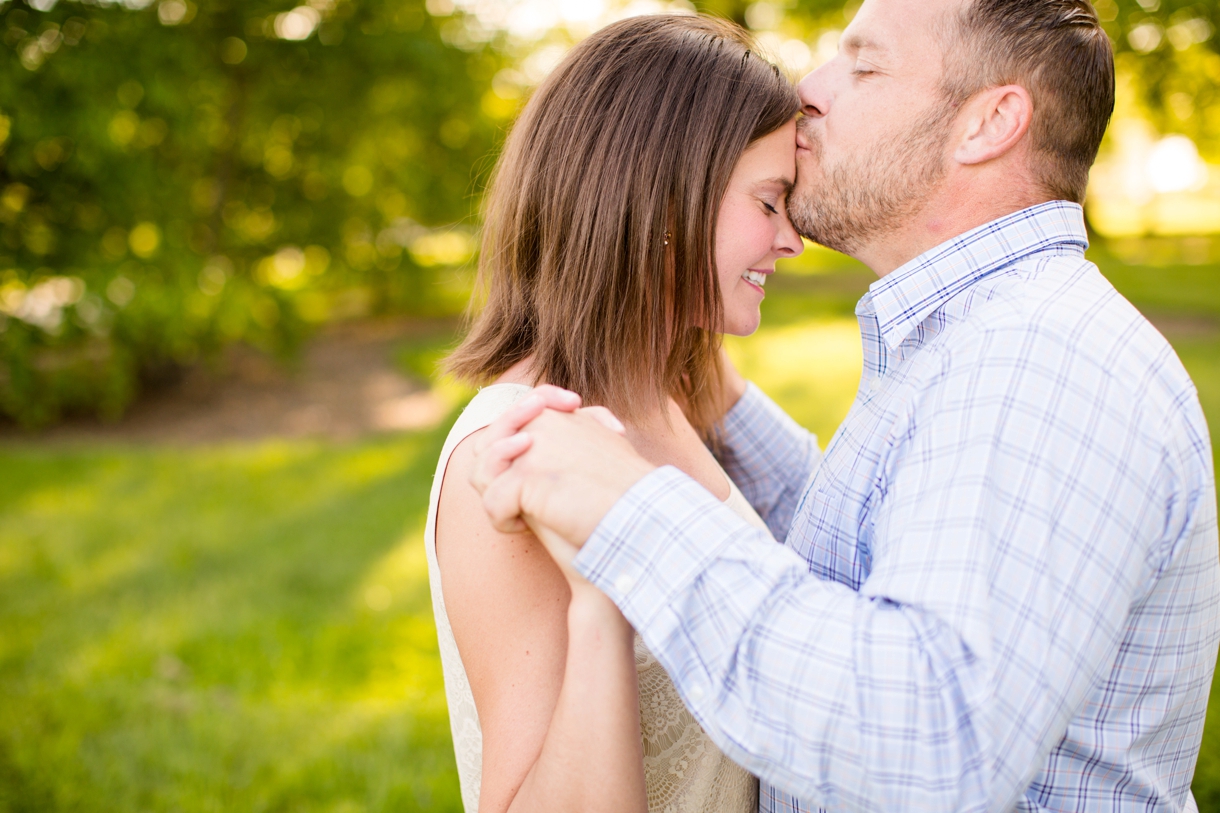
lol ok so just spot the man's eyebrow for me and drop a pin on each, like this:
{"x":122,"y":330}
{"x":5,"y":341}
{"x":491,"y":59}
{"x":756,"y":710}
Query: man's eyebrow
{"x":858,"y":42}
{"x":784,"y":183}
{"x":778,"y":181}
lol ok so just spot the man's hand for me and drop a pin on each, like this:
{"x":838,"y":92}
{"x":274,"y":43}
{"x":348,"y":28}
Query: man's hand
{"x":545,"y":466}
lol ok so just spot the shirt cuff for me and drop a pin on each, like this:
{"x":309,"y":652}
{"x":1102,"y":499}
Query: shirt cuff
{"x":643,"y":553}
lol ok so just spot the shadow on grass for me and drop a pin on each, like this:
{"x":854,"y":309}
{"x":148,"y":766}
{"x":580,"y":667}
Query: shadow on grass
{"x":236,"y":628}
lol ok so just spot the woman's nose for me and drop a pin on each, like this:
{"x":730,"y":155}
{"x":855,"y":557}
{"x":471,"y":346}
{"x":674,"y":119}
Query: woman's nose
{"x":787,"y":242}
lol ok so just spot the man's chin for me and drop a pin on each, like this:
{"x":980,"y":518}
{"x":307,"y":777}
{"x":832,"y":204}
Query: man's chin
{"x":810,"y":185}
{"x":802,"y":211}
{"x":818,"y":226}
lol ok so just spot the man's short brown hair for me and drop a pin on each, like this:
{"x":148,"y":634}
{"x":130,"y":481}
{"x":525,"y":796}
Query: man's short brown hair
{"x":1055,"y":49}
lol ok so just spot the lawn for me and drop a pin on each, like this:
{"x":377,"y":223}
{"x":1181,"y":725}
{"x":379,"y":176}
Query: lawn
{"x":224,"y":629}
{"x":246,"y":627}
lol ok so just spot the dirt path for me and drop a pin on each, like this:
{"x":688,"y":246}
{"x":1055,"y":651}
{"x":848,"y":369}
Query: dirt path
{"x":346,"y":385}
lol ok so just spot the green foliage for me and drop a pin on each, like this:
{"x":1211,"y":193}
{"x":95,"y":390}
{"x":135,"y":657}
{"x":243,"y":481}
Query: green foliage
{"x":177,"y":178}
{"x":1168,"y":59}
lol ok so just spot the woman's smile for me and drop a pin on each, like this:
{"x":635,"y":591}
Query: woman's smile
{"x":757,"y":279}
{"x":754,"y":230}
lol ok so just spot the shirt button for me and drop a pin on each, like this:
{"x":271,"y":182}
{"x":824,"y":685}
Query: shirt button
{"x":696,"y":693}
{"x":624,"y":583}
{"x":874,"y":385}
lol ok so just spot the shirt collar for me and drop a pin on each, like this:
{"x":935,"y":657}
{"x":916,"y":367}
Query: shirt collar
{"x":909,"y":294}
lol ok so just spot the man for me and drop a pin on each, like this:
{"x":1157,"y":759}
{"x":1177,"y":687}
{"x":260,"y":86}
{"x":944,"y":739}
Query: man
{"x":998,"y":590}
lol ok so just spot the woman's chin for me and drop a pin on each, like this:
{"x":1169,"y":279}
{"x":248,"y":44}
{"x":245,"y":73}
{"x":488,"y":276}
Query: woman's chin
{"x":743,"y":329}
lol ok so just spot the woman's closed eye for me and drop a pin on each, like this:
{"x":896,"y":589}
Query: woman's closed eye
{"x":772,"y":193}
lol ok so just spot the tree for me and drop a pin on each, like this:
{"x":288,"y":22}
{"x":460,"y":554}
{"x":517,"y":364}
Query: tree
{"x":177,"y":177}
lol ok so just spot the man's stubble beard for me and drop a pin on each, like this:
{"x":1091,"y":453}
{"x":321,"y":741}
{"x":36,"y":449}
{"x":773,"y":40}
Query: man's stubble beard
{"x":864,"y":197}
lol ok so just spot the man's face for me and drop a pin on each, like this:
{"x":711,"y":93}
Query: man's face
{"x":872,"y":143}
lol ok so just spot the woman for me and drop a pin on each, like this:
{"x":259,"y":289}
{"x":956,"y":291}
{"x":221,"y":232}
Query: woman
{"x":637,"y":210}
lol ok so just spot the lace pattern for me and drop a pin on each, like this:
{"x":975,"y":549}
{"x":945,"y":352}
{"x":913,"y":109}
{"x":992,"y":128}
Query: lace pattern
{"x":683,"y":769}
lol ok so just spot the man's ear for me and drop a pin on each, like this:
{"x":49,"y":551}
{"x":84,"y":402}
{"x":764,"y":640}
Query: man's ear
{"x":996,"y":121}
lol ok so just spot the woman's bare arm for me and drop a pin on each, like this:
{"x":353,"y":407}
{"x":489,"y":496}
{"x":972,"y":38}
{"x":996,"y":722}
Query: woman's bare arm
{"x":550,"y":663}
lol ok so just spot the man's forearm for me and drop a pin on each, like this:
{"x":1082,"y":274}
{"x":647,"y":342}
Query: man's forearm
{"x":838,"y":699}
{"x":769,"y":456}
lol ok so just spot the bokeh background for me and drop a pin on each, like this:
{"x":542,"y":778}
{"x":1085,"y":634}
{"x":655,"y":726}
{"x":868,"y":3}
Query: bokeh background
{"x":235,"y":238}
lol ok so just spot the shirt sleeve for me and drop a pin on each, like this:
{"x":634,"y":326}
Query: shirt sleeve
{"x":1006,"y":555}
{"x":769,"y":456}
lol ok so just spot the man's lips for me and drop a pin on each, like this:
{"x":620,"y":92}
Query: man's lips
{"x":804,"y":141}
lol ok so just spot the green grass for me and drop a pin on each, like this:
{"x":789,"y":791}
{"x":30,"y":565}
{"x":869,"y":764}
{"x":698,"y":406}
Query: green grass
{"x":248,"y":628}
{"x":235,"y":628}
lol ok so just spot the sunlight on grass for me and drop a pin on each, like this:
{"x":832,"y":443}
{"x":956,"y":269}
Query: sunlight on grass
{"x":190,"y":629}
{"x":409,"y":674}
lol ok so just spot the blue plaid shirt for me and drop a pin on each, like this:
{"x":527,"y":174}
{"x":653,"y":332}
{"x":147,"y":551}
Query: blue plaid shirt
{"x":998,"y":590}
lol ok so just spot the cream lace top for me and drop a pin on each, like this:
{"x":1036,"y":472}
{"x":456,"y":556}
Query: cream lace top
{"x":684,"y":771}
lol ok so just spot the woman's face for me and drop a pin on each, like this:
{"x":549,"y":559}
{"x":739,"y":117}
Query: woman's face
{"x":752,"y":230}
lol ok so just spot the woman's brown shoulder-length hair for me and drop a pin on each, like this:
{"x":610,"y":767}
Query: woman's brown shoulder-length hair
{"x":599,"y":226}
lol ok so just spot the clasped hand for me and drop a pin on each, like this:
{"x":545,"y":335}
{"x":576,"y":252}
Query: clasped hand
{"x":554,"y":468}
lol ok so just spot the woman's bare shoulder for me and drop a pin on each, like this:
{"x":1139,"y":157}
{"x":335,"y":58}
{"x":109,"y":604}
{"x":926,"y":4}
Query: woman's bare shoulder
{"x":506,"y":601}
{"x":469,"y":549}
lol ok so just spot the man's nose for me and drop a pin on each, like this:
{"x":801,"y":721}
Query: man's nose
{"x":815,"y":94}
